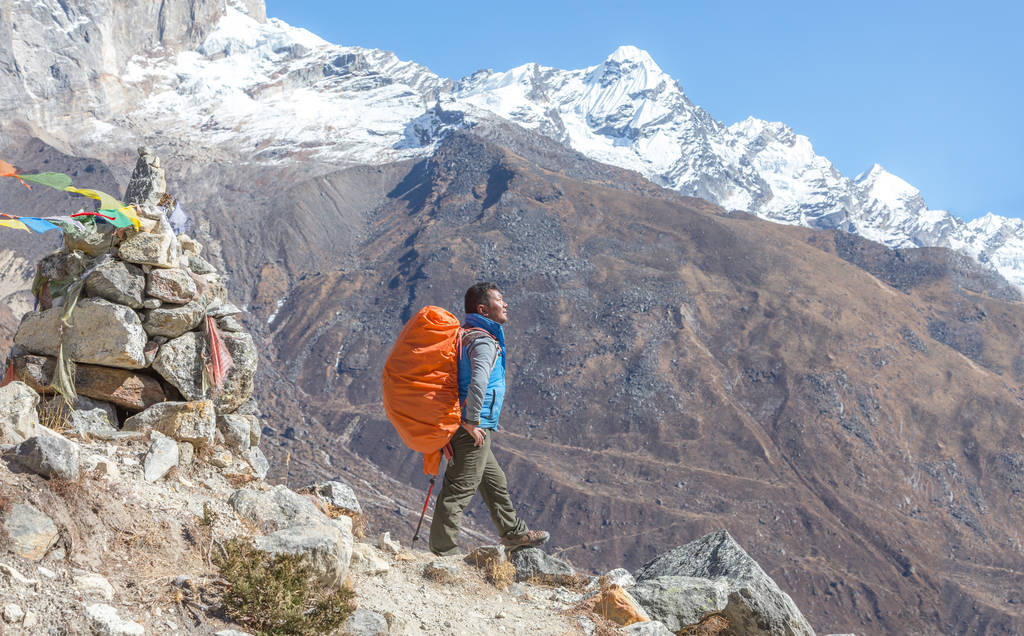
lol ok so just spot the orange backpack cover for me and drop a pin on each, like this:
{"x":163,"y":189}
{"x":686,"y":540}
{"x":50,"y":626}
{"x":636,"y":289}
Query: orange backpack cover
{"x":421,"y":383}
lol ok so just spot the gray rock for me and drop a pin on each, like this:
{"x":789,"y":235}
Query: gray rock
{"x":236,"y":430}
{"x":86,"y":417}
{"x":364,"y":622}
{"x":220,"y":457}
{"x":180,"y":362}
{"x":198,"y":265}
{"x":18,"y":415}
{"x":171,"y":285}
{"x":650,"y":628}
{"x":173,"y":321}
{"x":157,"y":248}
{"x":238,"y":385}
{"x":249,"y":407}
{"x":223,"y":310}
{"x":339,"y":494}
{"x":367,"y":559}
{"x":152,"y":303}
{"x":47,"y":455}
{"x":212,"y":290}
{"x":148,"y":183}
{"x":186,"y":453}
{"x":189,"y":244}
{"x":162,"y":456}
{"x":192,"y":422}
{"x":101,"y":333}
{"x":681,"y":601}
{"x":620,"y":577}
{"x":94,"y":585}
{"x":117,"y":282}
{"x":230,"y":323}
{"x":323,"y":547}
{"x":756,"y":605}
{"x":276,"y":508}
{"x":257,"y":461}
{"x":13,"y":613}
{"x":30,"y":532}
{"x":64,"y":264}
{"x":104,"y":621}
{"x":535,"y":563}
{"x":91,"y":242}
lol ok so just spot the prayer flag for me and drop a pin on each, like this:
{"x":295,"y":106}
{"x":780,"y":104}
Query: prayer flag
{"x":37,"y":225}
{"x":7,"y":170}
{"x":107,"y":202}
{"x":16,"y":224}
{"x":55,"y":180}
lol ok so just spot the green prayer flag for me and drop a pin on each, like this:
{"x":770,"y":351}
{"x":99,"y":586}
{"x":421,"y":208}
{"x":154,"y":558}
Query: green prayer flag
{"x":56,"y":180}
{"x":120,"y":219}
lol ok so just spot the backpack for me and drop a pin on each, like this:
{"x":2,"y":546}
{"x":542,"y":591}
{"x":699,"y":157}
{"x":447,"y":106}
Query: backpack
{"x":421,"y":383}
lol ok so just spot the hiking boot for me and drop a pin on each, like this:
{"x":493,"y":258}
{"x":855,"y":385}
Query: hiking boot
{"x":531,"y":539}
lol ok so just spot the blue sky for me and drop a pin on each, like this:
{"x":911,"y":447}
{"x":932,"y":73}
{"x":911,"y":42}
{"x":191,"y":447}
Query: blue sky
{"x":933,"y":91}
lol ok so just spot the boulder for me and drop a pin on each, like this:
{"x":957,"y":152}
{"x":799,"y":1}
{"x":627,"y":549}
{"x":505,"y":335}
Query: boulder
{"x":257,"y":461}
{"x":755,"y":605}
{"x":186,"y":453}
{"x":161,"y":457}
{"x":276,"y":508}
{"x":192,"y":422}
{"x":535,"y":563}
{"x":682,"y":601}
{"x":173,"y":321}
{"x":190,"y":245}
{"x":30,"y":532}
{"x":51,"y":456}
{"x":230,"y":323}
{"x":101,"y":332}
{"x":130,"y":389}
{"x":171,"y":285}
{"x":324,"y":547}
{"x":441,"y":572}
{"x":617,"y":605}
{"x":104,"y":621}
{"x":180,"y":362}
{"x":238,"y":385}
{"x":236,"y":430}
{"x":157,"y":248}
{"x":340,"y":495}
{"x":388,"y":545}
{"x":223,"y":310}
{"x":220,"y":457}
{"x":364,"y":622}
{"x":117,"y":282}
{"x":212,"y":292}
{"x":18,"y":415}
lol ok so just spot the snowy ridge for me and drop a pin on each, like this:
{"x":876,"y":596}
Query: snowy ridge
{"x":269,"y":92}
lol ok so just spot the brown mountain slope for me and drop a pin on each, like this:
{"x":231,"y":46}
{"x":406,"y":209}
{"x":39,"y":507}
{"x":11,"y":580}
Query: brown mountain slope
{"x":676,"y":369}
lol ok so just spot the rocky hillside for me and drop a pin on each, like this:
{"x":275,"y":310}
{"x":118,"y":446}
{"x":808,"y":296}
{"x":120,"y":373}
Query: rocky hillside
{"x":133,"y":500}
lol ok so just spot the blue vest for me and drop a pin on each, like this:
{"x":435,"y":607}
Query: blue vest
{"x":495,"y":395}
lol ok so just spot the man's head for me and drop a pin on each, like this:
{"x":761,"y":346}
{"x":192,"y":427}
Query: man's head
{"x":485,"y":299}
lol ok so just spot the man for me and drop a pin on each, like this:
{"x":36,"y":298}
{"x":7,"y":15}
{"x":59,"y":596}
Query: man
{"x":472,"y":466}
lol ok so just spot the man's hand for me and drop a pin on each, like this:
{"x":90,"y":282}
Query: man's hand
{"x":475,"y":432}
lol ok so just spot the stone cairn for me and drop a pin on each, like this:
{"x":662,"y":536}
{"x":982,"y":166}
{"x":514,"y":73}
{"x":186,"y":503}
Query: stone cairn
{"x":152,"y":346}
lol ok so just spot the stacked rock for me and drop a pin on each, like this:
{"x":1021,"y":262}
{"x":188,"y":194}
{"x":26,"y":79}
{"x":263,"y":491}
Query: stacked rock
{"x":155,"y":343}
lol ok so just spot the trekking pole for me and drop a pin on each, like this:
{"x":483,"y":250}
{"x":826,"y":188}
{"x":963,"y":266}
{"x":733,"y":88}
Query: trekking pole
{"x":416,"y":535}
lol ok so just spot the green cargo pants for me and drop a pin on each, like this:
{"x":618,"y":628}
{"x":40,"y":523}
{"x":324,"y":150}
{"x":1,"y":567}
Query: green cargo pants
{"x":469,"y":470}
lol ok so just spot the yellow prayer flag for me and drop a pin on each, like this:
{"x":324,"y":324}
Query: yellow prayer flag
{"x":129,"y":211}
{"x":107,"y":202}
{"x":17,"y":225}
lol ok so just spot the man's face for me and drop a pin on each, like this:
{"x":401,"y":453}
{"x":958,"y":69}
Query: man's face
{"x":496,"y":308}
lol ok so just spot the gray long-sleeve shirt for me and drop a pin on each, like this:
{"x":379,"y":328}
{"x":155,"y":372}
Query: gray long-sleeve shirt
{"x":483,"y":354}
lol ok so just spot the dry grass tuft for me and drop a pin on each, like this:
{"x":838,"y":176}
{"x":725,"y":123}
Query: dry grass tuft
{"x":55,"y":414}
{"x":574,"y":582}
{"x":498,"y":572}
{"x":713,"y":625}
{"x":237,"y":480}
{"x":438,"y":575}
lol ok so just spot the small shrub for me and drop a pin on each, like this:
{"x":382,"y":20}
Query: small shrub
{"x":571,"y":581}
{"x":55,"y":414}
{"x":278,"y":594}
{"x":438,"y":575}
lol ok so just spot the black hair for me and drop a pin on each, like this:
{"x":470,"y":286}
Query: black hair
{"x":478,"y":294}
